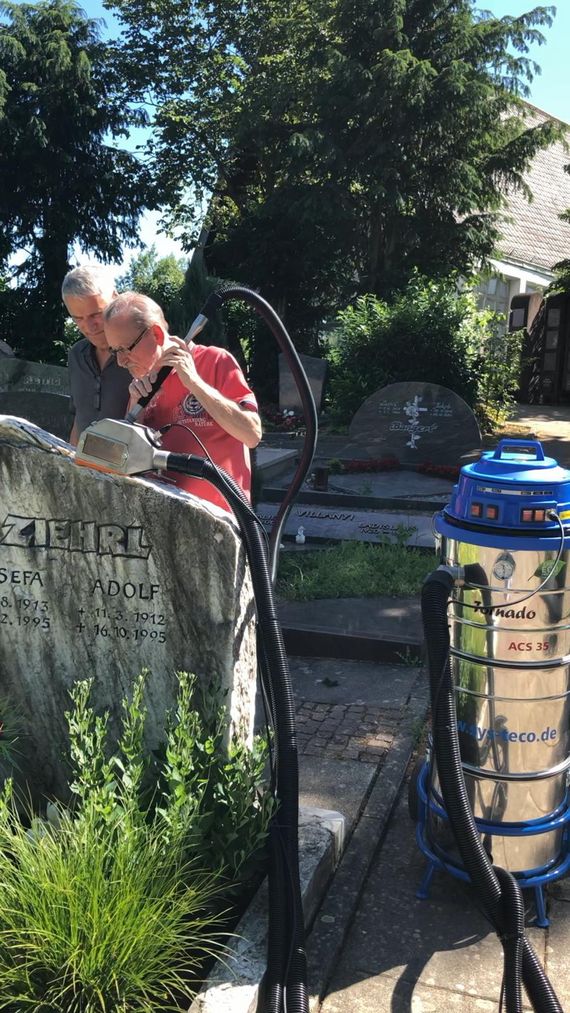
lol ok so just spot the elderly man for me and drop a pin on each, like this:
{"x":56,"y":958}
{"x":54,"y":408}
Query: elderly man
{"x":204,"y":406}
{"x":99,"y":387}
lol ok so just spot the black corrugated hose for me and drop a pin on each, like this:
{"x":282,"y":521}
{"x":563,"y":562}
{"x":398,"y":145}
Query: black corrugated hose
{"x":275,"y":324}
{"x":494,"y":895}
{"x":512,"y":939}
{"x":285,"y":987}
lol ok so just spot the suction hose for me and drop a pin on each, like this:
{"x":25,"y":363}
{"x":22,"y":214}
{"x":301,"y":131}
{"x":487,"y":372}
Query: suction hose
{"x":494,"y":891}
{"x":277,"y":328}
{"x":285,"y":985}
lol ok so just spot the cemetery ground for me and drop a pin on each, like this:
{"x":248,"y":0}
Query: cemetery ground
{"x":361,"y":699}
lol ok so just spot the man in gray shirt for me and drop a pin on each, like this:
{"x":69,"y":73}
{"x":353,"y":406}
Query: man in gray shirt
{"x":99,"y":387}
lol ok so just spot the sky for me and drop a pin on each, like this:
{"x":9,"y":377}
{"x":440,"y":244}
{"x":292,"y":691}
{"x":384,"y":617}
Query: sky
{"x":550,"y":90}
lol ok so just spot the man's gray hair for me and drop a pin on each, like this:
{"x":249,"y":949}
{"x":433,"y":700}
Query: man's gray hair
{"x":89,"y":279}
{"x":139,"y":309}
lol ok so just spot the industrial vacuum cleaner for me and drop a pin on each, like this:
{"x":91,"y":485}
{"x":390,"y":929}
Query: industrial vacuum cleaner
{"x":491,"y":796}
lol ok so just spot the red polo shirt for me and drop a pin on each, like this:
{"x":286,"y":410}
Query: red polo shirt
{"x":173,"y":403}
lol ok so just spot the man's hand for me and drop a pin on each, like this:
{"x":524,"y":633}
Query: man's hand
{"x":179,"y":357}
{"x":141,"y":386}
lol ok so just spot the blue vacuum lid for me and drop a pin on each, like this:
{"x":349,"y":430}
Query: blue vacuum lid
{"x":514,"y":488}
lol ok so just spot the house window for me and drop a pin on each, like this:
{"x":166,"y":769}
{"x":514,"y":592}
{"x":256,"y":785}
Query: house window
{"x":493,"y":294}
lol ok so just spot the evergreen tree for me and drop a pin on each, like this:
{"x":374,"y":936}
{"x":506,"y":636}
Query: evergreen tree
{"x":62,"y":179}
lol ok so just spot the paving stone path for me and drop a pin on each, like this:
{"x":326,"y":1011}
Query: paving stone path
{"x":346,"y":731}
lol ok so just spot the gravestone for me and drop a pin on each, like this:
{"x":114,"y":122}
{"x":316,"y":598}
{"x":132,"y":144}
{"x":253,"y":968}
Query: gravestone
{"x":316,"y":370}
{"x":5,"y":349}
{"x":353,"y":524}
{"x":416,"y":423}
{"x":103,"y":576}
{"x":37,"y":392}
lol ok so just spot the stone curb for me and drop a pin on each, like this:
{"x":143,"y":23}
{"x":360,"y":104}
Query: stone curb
{"x":336,"y":914}
{"x":233,"y":987}
{"x":311,"y":642}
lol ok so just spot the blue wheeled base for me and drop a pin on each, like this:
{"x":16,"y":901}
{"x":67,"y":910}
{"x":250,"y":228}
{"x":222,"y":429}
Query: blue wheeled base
{"x":534,"y":879}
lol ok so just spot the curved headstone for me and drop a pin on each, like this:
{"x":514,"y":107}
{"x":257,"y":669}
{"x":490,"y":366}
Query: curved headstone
{"x":416,"y":423}
{"x":102,"y":576}
{"x":37,"y":392}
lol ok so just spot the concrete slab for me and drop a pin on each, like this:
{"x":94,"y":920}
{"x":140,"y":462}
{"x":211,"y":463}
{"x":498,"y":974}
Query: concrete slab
{"x":352,"y":682}
{"x":386,"y":485}
{"x":423,"y":953}
{"x":330,"y":784}
{"x":233,"y":986}
{"x":379,"y":629}
{"x":271,"y":462}
{"x":373,"y":994}
{"x":558,"y":947}
{"x":326,"y":942}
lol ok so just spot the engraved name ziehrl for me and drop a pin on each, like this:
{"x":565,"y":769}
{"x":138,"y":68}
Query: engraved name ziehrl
{"x":74,"y":536}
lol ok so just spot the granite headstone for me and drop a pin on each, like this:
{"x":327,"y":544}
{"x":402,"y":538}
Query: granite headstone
{"x":37,"y":392}
{"x":416,"y":423}
{"x":353,"y":524}
{"x":101,"y":577}
{"x":316,"y":370}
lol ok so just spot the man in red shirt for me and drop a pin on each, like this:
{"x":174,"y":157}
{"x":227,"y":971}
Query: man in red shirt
{"x":205,"y":403}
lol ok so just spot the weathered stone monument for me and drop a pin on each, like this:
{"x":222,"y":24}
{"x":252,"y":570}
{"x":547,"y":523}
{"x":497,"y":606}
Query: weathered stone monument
{"x":102,"y":576}
{"x":316,"y":370}
{"x":416,"y":423}
{"x":37,"y":392}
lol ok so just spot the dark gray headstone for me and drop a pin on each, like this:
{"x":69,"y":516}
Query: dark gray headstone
{"x":416,"y":423}
{"x":36,"y":392}
{"x":315,"y":369}
{"x":5,"y":349}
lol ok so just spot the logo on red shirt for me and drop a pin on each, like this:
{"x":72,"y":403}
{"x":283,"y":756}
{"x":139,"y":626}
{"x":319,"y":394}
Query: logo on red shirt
{"x":191,"y":406}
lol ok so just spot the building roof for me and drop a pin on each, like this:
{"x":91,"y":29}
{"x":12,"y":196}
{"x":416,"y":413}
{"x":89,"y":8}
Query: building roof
{"x":532,"y":233}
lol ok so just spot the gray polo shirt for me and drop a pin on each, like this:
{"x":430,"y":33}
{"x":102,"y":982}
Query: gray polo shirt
{"x":95,"y":394}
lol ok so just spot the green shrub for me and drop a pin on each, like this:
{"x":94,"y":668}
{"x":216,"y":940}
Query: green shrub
{"x":427,"y":332}
{"x":498,"y":367}
{"x":111,"y":905}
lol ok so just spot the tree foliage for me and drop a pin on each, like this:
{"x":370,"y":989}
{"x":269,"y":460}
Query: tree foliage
{"x":162,"y":279}
{"x":63,"y":179}
{"x":345,"y":145}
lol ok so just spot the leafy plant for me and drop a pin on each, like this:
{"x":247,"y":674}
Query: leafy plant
{"x":498,"y":366}
{"x":353,"y":569}
{"x":112,"y":905}
{"x":214,"y":793}
{"x":423,"y":332}
{"x":429,"y":332}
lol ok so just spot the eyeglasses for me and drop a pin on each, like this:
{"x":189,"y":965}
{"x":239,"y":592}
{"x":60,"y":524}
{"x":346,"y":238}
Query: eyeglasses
{"x":128,"y":348}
